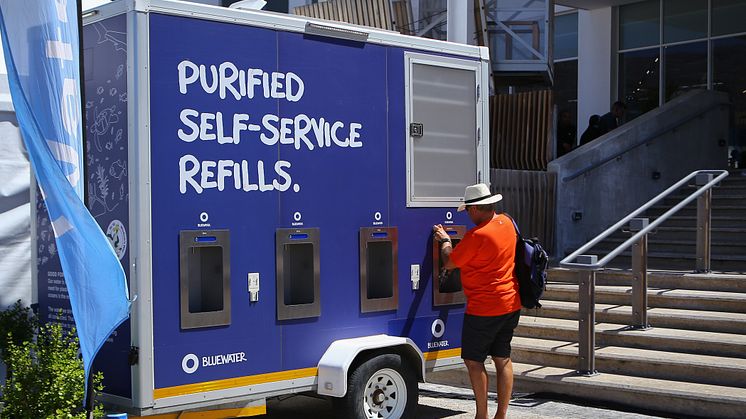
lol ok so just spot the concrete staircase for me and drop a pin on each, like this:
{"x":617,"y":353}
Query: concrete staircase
{"x":691,"y":362}
{"x":673,"y":246}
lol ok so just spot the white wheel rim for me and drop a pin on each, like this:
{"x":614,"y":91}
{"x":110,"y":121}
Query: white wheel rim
{"x":385,"y":395}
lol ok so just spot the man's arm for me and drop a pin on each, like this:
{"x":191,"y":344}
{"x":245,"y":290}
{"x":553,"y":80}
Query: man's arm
{"x":446,"y":247}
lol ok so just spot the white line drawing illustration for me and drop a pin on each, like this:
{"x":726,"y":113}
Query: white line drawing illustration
{"x":100,"y":194}
{"x":100,"y":90}
{"x":118,"y":169}
{"x":120,"y":71}
{"x":118,"y":137}
{"x":103,"y":122}
{"x":123,"y":97}
{"x":102,"y":181}
{"x":112,"y":91}
{"x":117,"y":39}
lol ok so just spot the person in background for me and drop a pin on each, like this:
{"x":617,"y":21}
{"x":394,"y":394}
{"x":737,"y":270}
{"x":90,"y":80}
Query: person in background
{"x":593,"y":131}
{"x":612,"y":119}
{"x":486,"y":257}
{"x":566,"y":133}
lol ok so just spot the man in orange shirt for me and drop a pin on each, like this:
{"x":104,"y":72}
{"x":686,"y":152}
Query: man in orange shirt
{"x":486,"y":257}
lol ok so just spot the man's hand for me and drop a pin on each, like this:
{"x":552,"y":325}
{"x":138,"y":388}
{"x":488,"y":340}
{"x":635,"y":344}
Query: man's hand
{"x":439,"y":233}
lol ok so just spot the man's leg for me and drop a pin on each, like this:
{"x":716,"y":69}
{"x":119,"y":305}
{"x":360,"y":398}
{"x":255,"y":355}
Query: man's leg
{"x":478,"y":378}
{"x":504,"y":374}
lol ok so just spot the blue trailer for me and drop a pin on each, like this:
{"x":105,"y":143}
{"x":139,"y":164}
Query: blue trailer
{"x":270,"y":183}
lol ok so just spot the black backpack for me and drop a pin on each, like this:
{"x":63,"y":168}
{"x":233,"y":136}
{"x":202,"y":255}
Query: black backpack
{"x":531,"y":261}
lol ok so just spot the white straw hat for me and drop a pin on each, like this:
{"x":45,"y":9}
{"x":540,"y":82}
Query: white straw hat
{"x":478,"y":194}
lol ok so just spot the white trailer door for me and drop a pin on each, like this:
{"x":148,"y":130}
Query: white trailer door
{"x":443,"y":119}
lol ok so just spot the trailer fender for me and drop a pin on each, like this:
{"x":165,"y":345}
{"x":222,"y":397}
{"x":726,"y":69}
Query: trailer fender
{"x":334,"y":365}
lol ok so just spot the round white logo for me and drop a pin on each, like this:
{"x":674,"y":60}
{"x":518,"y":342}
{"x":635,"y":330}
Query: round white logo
{"x":438,"y":328}
{"x":204,"y":217}
{"x":190,"y":363}
{"x":449,"y":215}
{"x":118,"y":237}
{"x":377,"y":216}
{"x":297,"y":216}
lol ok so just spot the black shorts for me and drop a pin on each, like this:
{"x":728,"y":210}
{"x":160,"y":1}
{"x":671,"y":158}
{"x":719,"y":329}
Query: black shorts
{"x":487,"y":335}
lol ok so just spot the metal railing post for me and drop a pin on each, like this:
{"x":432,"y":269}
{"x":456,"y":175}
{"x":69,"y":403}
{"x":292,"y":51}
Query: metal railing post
{"x":704,"y":217}
{"x":639,"y":275}
{"x":587,"y":317}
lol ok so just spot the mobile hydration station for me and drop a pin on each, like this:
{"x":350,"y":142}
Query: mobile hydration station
{"x":270,"y":184}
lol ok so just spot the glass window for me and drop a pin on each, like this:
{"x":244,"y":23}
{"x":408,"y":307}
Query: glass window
{"x":728,"y":62}
{"x":685,"y":68}
{"x":525,"y":39}
{"x":639,"y":24}
{"x":566,"y":97}
{"x":684,"y":20}
{"x":638,"y":79}
{"x":566,"y":36}
{"x":728,"y":16}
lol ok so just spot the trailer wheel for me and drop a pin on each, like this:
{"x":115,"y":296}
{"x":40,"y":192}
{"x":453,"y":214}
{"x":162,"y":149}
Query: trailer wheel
{"x":381,"y":387}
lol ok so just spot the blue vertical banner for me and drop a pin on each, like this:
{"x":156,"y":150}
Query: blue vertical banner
{"x":41,"y":48}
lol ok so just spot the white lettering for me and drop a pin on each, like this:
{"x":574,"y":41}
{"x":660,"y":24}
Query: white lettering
{"x":354,"y":135}
{"x":267,"y":122}
{"x":205,"y":126}
{"x":226,"y":81}
{"x":280,"y":167}
{"x":277,"y":93}
{"x":206,"y":174}
{"x":203,"y":79}
{"x":224,"y":171}
{"x":184,"y":79}
{"x":184,"y":116}
{"x":294,"y":95}
{"x":187,"y":175}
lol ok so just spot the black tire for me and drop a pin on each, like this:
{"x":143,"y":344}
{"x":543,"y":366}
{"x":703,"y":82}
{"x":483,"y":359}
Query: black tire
{"x":364,"y":400}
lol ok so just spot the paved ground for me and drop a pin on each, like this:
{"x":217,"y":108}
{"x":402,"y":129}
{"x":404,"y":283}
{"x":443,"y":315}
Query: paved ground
{"x":445,"y":402}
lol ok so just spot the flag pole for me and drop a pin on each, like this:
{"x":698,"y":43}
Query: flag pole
{"x":81,"y":72}
{"x":88,"y":379}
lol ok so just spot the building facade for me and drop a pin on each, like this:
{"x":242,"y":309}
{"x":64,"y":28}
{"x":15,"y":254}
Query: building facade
{"x":646,"y":53}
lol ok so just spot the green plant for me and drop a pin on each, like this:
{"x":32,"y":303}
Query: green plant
{"x":18,"y":324}
{"x":47,"y":379}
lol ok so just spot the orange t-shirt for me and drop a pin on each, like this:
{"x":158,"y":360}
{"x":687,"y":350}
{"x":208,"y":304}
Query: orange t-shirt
{"x":486,"y":257}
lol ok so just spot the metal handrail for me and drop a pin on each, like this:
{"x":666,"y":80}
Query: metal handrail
{"x":566,"y":262}
{"x":647,"y":139}
{"x":704,"y":180}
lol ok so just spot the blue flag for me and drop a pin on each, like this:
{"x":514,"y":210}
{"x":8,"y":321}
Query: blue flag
{"x":40,"y":44}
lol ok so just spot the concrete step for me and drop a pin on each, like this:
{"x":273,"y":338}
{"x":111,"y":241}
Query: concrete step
{"x":727,"y":188}
{"x":737,"y":177}
{"x":734,"y":210}
{"x":660,"y":279}
{"x":719,"y":197}
{"x":680,"y":261}
{"x":688,"y":247}
{"x":705,"y":369}
{"x":721,"y":235}
{"x":665,"y":298}
{"x":677,"y":398}
{"x":727,"y":324}
{"x":717,"y":221}
{"x":655,"y":338}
